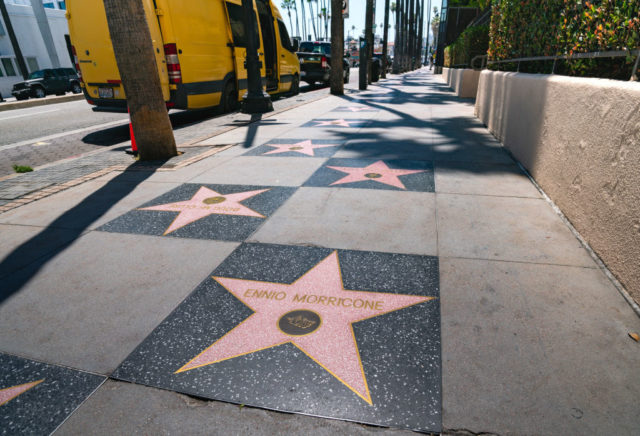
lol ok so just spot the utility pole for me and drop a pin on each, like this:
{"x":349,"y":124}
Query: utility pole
{"x":368,"y":34}
{"x":255,"y":101}
{"x":337,"y":48}
{"x":135,"y":57}
{"x":22,"y":66}
{"x":385,"y":41}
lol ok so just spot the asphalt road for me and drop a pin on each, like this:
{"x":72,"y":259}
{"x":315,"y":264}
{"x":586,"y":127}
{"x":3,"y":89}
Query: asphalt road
{"x":40,"y":135}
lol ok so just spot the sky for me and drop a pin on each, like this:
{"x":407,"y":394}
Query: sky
{"x":357,"y":17}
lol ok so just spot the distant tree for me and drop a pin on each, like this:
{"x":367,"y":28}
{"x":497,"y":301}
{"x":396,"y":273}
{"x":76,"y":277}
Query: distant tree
{"x":288,"y":5}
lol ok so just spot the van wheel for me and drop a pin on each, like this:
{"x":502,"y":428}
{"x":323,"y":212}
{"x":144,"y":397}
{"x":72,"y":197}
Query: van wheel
{"x":295,"y":86}
{"x":230,"y":97}
{"x":38,"y":92}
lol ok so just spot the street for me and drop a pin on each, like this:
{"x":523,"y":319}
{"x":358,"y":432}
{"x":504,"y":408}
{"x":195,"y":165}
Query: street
{"x":41,"y":135}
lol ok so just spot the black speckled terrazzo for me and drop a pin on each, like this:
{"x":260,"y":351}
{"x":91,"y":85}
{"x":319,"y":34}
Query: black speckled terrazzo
{"x":336,"y":123}
{"x":297,"y":148}
{"x":207,"y":346}
{"x":213,"y":226}
{"x":35,"y":398}
{"x":376,"y":174}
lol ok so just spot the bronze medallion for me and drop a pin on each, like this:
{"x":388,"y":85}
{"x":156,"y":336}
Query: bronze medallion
{"x":373,"y":175}
{"x":214,"y":200}
{"x":299,"y":322}
{"x":295,"y":148}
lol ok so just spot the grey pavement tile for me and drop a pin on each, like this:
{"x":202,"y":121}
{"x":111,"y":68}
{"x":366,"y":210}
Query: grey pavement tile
{"x":222,"y":212}
{"x":299,"y":147}
{"x":367,"y":173}
{"x":256,"y":170}
{"x":92,"y":304}
{"x":13,"y":237}
{"x":88,"y":205}
{"x":35,"y":398}
{"x":356,"y":109}
{"x":506,"y":228}
{"x":296,"y":329}
{"x":381,"y":148}
{"x":483,"y":179}
{"x":119,"y":408}
{"x":380,"y":220}
{"x":537,"y":349}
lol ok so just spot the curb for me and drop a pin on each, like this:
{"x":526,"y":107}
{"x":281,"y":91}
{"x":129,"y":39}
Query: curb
{"x":40,"y":102}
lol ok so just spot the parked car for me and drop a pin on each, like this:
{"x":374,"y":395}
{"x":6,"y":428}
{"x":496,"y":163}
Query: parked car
{"x":48,"y":81}
{"x":315,"y":62}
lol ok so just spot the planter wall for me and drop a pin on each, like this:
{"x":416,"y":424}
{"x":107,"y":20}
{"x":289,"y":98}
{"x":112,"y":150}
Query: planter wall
{"x":463,"y":81}
{"x":580,"y":139}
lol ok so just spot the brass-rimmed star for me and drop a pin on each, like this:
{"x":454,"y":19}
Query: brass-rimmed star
{"x":315,"y":313}
{"x":341,"y":123}
{"x":377,"y":171}
{"x":207,"y":202}
{"x":304,"y":147}
{"x":10,"y":393}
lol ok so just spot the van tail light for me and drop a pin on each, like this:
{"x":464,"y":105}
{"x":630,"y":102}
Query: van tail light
{"x":173,"y":63}
{"x":325,"y":64}
{"x":76,"y":63}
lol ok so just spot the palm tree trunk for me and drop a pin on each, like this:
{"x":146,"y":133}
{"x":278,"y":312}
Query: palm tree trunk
{"x":368,"y":34}
{"x":421,"y":35}
{"x":337,"y":48}
{"x":397,"y":42}
{"x":304,"y":22}
{"x":412,"y":17}
{"x":290,"y":21}
{"x":136,"y":62}
{"x":313,"y":20}
{"x":385,"y":36}
{"x":295,"y":8}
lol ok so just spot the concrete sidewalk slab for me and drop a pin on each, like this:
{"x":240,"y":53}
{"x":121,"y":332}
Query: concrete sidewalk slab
{"x":258,"y":170}
{"x":352,"y":219}
{"x":90,"y":305}
{"x":536,"y":349}
{"x":506,"y":228}
{"x":483,"y":179}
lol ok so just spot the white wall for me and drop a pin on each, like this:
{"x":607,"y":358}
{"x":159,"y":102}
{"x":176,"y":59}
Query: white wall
{"x":30,"y":40}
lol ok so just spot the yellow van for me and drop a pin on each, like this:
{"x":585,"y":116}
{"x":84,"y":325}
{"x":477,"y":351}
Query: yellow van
{"x":200,"y":51}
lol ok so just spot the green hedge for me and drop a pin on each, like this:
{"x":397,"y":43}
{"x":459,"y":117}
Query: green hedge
{"x":526,"y":28}
{"x":472,"y":42}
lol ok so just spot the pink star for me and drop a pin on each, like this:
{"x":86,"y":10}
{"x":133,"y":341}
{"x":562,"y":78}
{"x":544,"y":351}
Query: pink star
{"x":207,"y":202}
{"x":342,"y":123}
{"x":357,"y":108}
{"x":315,"y":313}
{"x":304,"y":147}
{"x":9,"y":394}
{"x":378,"y":172}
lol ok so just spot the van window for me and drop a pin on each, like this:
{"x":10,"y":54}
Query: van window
{"x":284,"y":36}
{"x":236,"y":19}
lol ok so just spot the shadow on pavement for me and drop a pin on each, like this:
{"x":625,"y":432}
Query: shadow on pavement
{"x":39,"y":250}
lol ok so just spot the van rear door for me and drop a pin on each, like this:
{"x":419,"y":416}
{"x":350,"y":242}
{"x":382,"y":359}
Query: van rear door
{"x":235,"y":15}
{"x":89,"y":33}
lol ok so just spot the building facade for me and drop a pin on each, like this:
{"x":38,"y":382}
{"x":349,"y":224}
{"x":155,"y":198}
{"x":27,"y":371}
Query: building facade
{"x":31,"y":41}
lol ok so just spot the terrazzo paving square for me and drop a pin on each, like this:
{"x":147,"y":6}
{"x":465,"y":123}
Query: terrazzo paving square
{"x":337,"y":123}
{"x":221,"y":212}
{"x":351,"y":335}
{"x":35,"y":398}
{"x":355,"y":108}
{"x":288,"y":147}
{"x":399,"y":175}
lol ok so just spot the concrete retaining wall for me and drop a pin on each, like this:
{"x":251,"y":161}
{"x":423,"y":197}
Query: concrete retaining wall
{"x":463,"y":81}
{"x":580,"y":139}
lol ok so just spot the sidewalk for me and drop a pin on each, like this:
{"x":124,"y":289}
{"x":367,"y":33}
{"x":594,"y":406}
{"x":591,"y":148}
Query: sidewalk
{"x":375,"y":258}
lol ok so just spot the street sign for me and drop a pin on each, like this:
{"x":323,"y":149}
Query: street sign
{"x":345,"y":8}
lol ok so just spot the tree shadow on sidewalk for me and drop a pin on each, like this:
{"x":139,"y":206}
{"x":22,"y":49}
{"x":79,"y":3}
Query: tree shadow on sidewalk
{"x":34,"y":254}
